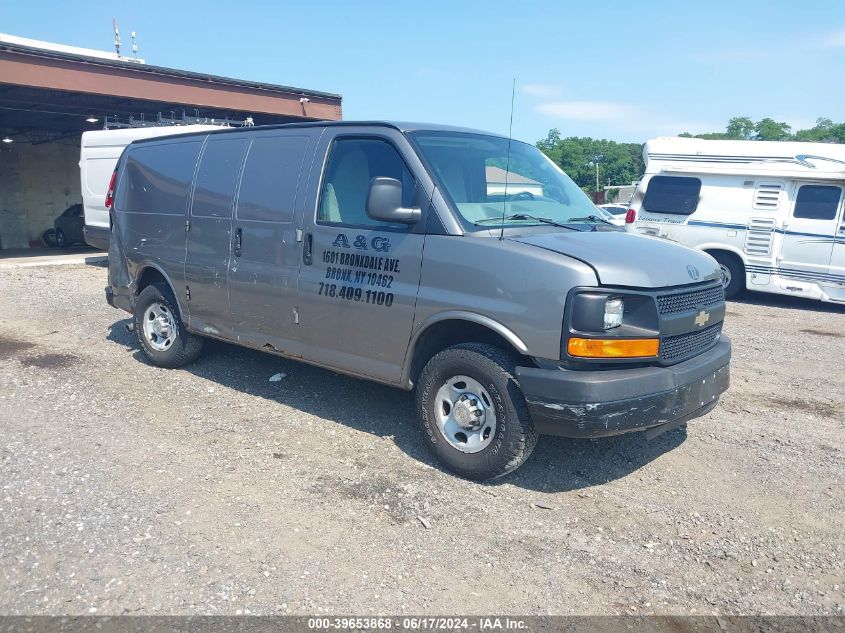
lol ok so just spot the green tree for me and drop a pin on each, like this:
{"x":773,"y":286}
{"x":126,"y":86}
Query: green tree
{"x":619,"y":163}
{"x":741,"y":128}
{"x":824,"y":131}
{"x":770,"y":130}
{"x":550,"y":145}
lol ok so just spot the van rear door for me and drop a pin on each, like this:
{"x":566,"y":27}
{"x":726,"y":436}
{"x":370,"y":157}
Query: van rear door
{"x":359,"y":277}
{"x":809,"y":233}
{"x":265,"y":252}
{"x":208,"y":245}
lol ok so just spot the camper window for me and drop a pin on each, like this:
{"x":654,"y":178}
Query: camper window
{"x":672,"y":194}
{"x":817,"y":202}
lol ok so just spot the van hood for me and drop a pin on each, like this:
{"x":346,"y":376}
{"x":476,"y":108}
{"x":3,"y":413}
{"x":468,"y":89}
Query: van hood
{"x":626,"y":259}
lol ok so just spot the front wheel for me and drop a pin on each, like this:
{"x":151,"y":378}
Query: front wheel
{"x":61,"y":240}
{"x":158,"y":325}
{"x":473,"y":413}
{"x":733,"y":274}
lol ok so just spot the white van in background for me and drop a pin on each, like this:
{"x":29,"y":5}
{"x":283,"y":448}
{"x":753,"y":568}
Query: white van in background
{"x":771,"y":213}
{"x":97,"y":159}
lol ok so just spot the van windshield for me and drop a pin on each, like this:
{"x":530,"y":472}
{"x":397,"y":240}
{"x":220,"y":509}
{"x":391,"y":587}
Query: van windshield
{"x":485,"y":185}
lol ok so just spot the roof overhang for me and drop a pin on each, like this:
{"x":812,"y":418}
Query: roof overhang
{"x":51,"y":70}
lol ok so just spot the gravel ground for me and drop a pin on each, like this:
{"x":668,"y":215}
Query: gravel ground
{"x":132,"y":489}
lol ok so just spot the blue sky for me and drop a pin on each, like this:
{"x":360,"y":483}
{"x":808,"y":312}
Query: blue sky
{"x":626,"y":71}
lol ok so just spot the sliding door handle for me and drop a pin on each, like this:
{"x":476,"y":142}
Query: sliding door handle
{"x":307,"y":249}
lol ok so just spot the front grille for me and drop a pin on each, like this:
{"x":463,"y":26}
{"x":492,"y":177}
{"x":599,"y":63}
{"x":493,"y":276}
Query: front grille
{"x":690,"y":300}
{"x":681,"y":346}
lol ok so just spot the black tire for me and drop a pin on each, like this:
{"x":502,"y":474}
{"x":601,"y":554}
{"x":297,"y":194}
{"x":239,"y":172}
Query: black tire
{"x":61,"y":240}
{"x":184,"y":349}
{"x":514,"y":438}
{"x":49,"y":238}
{"x":733,"y":269}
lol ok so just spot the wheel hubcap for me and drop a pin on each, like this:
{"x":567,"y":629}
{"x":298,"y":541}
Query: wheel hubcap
{"x":726,"y":275}
{"x":159,"y":327}
{"x":465,"y":415}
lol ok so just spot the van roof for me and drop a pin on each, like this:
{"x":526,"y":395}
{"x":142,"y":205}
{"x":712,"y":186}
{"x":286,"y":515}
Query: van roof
{"x":396,"y":125}
{"x":122,"y":136}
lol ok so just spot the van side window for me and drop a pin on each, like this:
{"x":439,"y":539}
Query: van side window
{"x":270,"y":179}
{"x":353,"y":163}
{"x":217,"y":177}
{"x":817,"y":202}
{"x":157,"y":178}
{"x":672,"y":194}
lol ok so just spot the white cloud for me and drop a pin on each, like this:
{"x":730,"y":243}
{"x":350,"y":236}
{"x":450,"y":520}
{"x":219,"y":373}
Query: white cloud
{"x":586,"y":110}
{"x":540,"y":90}
{"x":835,"y":40}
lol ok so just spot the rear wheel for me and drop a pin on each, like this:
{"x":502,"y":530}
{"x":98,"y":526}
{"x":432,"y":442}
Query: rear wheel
{"x":733,"y":273}
{"x":160,"y":331}
{"x":473,"y":413}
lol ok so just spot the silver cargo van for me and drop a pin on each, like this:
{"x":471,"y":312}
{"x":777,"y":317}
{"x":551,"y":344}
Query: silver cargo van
{"x":456,"y":263}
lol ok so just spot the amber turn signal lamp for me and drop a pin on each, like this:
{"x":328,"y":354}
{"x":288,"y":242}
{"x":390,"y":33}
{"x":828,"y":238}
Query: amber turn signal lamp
{"x":613,"y":348}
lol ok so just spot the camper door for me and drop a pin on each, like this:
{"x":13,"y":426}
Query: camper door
{"x":809,"y":232}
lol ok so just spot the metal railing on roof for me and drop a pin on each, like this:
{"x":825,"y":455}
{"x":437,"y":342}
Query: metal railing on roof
{"x":117,"y":122}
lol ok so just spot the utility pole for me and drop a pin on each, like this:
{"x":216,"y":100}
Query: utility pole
{"x":596,"y":160}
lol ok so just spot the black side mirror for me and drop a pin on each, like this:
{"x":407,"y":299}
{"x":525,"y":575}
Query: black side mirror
{"x":384,"y":202}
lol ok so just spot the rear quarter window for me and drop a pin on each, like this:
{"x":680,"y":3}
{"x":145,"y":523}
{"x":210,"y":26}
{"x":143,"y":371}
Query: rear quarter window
{"x":157,"y":178}
{"x":672,"y":194}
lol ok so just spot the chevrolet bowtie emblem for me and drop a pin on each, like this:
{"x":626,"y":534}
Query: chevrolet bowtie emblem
{"x":702,"y":318}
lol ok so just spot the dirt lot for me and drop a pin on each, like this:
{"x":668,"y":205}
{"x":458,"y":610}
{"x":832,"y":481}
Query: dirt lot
{"x":131,"y":489}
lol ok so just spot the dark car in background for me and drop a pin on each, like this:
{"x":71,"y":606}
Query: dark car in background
{"x":68,"y":227}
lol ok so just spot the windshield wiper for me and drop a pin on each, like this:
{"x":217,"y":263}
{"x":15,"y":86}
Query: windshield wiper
{"x":525,"y":216}
{"x":592,"y":218}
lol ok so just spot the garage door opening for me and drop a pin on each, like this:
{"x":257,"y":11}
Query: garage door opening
{"x":50,"y":94}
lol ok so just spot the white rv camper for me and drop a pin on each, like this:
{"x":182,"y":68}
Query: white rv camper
{"x":771,"y":213}
{"x":98,"y":156}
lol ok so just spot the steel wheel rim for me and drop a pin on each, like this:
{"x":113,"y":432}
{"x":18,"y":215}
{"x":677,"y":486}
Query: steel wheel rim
{"x":726,"y":275}
{"x":465,"y":414}
{"x":159,"y":326}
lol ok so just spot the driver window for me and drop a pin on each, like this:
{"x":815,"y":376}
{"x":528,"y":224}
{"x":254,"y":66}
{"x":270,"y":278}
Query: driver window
{"x":353,"y":163}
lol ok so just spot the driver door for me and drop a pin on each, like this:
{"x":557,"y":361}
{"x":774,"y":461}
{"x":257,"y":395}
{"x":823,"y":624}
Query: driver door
{"x":359,"y":277}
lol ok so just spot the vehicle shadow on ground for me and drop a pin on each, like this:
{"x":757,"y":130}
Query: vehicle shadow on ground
{"x":557,"y":465}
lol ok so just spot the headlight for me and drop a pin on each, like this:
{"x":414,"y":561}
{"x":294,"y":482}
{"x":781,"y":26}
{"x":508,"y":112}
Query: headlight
{"x":613,"y":310}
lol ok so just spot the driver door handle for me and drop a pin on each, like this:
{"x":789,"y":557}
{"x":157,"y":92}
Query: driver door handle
{"x":238,"y":241}
{"x":307,"y":249}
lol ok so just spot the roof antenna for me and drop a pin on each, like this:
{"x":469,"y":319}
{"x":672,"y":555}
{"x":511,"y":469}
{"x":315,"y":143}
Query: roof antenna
{"x":134,"y":46}
{"x":507,"y":165}
{"x":116,"y":36}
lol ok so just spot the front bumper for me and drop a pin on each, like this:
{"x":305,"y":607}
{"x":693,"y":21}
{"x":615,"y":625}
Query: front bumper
{"x":122,"y":298}
{"x":574,"y":403}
